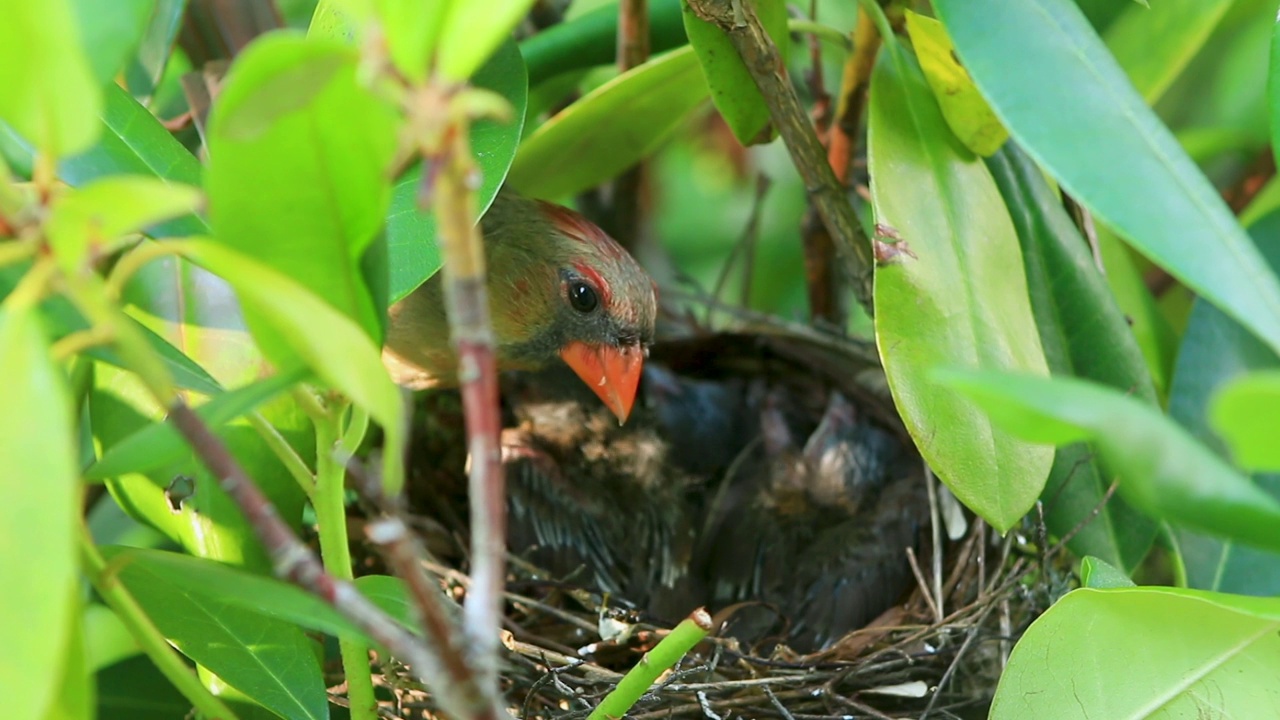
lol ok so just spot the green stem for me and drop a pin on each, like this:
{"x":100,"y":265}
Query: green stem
{"x":331,"y":515}
{"x":822,"y":32}
{"x":289,"y":457}
{"x":135,"y":619}
{"x":881,"y":21}
{"x":665,"y":655}
{"x":134,"y":260}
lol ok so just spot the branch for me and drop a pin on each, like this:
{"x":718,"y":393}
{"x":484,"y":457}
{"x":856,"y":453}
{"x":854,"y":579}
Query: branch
{"x":738,"y":19}
{"x":467,"y":302}
{"x":295,"y":562}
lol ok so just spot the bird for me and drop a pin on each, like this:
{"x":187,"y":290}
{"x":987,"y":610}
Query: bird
{"x":758,"y":485}
{"x":559,"y":287}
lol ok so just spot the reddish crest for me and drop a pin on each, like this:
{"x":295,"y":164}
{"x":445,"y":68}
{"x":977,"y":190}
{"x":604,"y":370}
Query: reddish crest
{"x":579,"y":228}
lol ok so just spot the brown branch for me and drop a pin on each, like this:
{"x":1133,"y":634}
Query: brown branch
{"x":824,"y":283}
{"x":738,"y":19}
{"x":295,"y":562}
{"x":467,"y":302}
{"x":626,"y":216}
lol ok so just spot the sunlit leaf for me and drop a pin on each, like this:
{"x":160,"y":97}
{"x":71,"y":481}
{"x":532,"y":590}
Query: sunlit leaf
{"x":297,"y":177}
{"x":49,"y":94}
{"x":38,"y":566}
{"x":103,"y":210}
{"x":110,"y":32}
{"x":609,"y":129}
{"x":1144,"y":653}
{"x":473,"y":31}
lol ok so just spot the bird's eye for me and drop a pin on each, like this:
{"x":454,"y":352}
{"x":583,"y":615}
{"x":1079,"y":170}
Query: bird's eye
{"x":582,"y":297}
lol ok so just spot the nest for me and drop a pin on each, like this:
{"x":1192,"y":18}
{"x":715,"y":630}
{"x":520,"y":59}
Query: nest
{"x":936,"y":649}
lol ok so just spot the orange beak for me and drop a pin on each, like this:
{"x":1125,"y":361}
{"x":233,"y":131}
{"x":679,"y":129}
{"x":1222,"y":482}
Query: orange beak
{"x":613,"y":373}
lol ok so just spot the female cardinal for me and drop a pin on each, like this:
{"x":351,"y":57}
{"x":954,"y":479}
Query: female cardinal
{"x":558,"y":286}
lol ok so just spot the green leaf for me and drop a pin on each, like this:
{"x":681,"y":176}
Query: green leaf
{"x":592,"y":39}
{"x":1145,"y":653}
{"x":473,"y":31}
{"x":297,"y":176}
{"x":110,"y":31}
{"x":1072,"y":108}
{"x":411,"y":233}
{"x":74,"y":699}
{"x":269,"y":660}
{"x":610,"y":129}
{"x":967,"y":113}
{"x":146,"y":68}
{"x":1246,"y":413}
{"x":39,"y":517}
{"x":956,"y":302}
{"x":295,"y":325}
{"x":412,"y":28}
{"x":134,"y":689}
{"x":159,"y":444}
{"x":1154,"y":44}
{"x":217,"y":583}
{"x":101,"y":211}
{"x":1083,"y":334}
{"x":1156,"y":338}
{"x":1098,"y":574}
{"x":53,"y":101}
{"x":1216,"y":349}
{"x":1163,"y":470}
{"x":733,"y":90}
{"x":390,"y":595}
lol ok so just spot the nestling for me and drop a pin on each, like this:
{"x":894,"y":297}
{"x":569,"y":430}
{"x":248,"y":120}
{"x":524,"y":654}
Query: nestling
{"x":558,"y":287}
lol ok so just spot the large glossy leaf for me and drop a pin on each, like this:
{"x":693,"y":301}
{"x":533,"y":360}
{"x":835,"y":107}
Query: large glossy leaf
{"x":49,"y":95}
{"x":414,"y":253}
{"x":297,"y":177}
{"x":1164,"y":471}
{"x":472,"y":33}
{"x":958,"y":298}
{"x":733,"y":90}
{"x":215,"y":582}
{"x":1145,"y":653}
{"x":1062,"y":95}
{"x":1215,"y":350}
{"x":611,"y":128}
{"x":296,"y":327}
{"x":1085,"y":335}
{"x":41,"y":504}
{"x":269,"y":660}
{"x":1153,"y":44}
{"x":110,"y":31}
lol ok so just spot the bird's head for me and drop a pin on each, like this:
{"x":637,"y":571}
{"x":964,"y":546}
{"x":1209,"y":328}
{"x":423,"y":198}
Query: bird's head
{"x":569,"y":290}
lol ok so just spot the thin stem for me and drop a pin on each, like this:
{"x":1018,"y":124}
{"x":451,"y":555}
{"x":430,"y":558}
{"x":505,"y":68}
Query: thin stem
{"x":284,"y":452}
{"x":134,"y":260}
{"x":149,"y":638}
{"x":331,"y":516}
{"x":662,"y":657}
{"x":80,"y":341}
{"x":820,"y":31}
